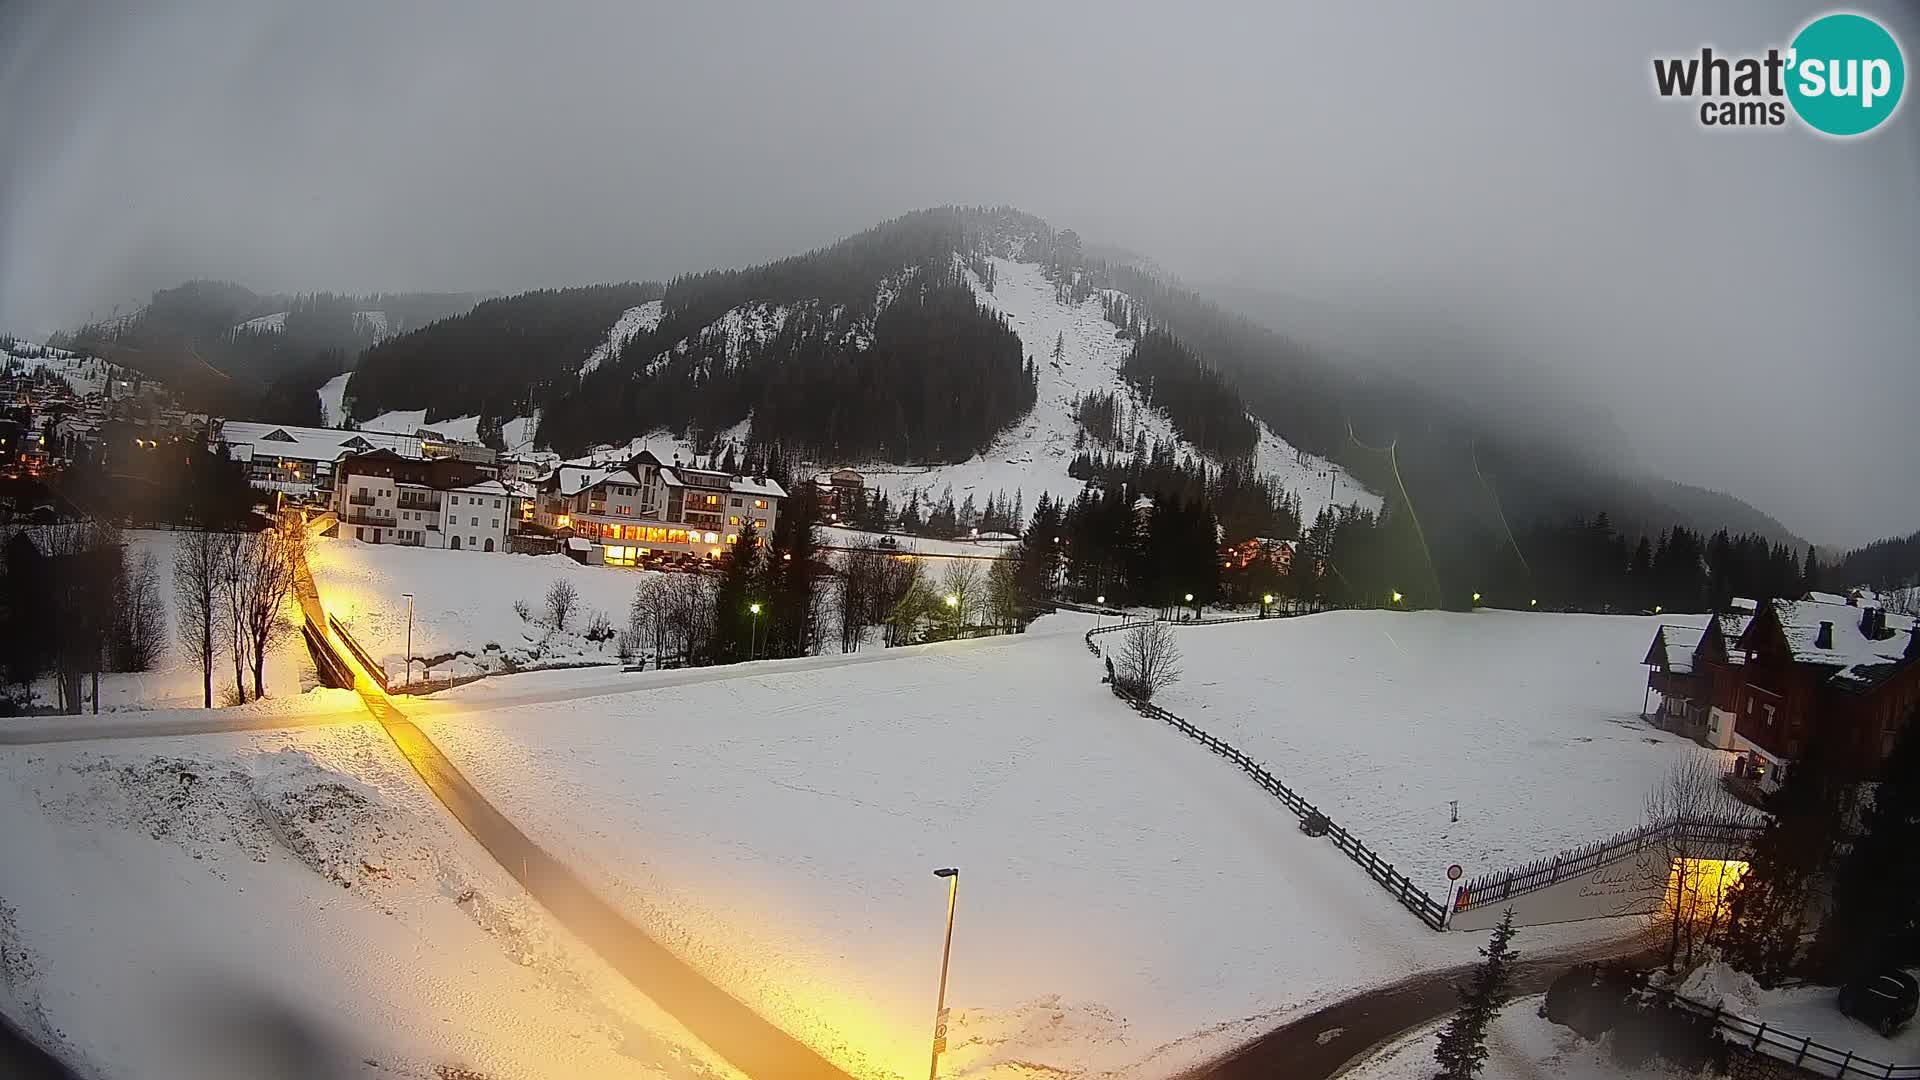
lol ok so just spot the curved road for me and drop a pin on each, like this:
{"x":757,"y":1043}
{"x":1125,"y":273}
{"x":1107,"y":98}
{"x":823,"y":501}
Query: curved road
{"x":1324,"y":1043}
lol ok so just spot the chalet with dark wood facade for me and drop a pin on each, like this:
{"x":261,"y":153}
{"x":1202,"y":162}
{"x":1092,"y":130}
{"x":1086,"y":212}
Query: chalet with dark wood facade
{"x":1697,"y":673}
{"x":1846,"y":672}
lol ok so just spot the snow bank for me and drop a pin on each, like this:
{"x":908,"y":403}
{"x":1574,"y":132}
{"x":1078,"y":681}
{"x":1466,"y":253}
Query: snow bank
{"x":1531,"y":721}
{"x":1123,"y":893}
{"x":1800,"y":1011}
{"x":211,"y":893}
{"x":1522,"y":1046}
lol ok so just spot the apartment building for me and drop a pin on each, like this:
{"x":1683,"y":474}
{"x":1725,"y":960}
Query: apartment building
{"x":384,"y":498}
{"x":633,"y":510}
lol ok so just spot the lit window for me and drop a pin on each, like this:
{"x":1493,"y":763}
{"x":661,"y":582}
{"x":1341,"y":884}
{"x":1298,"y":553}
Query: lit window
{"x":712,"y":539}
{"x":733,"y":538}
{"x":734,"y":519}
{"x":759,"y":504}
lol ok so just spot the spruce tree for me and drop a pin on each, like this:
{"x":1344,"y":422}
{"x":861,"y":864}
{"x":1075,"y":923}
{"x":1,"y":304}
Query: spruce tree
{"x":1875,"y":919}
{"x":733,"y":619}
{"x":1766,"y":913}
{"x":1463,"y":1045}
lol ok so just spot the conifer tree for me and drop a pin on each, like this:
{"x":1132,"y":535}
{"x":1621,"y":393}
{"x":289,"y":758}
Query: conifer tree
{"x":1875,"y":919}
{"x":1462,"y":1048}
{"x":1766,"y":913}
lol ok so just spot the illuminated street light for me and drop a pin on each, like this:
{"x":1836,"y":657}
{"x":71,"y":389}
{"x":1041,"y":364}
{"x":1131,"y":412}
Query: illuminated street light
{"x":1656,"y":609}
{"x":753,"y":633}
{"x":409,"y":679}
{"x":1476,"y":598}
{"x":1189,"y":598}
{"x":953,"y":601}
{"x":1396,"y":596}
{"x":952,"y":874}
{"x":1533,"y":603}
{"x":1101,"y":599}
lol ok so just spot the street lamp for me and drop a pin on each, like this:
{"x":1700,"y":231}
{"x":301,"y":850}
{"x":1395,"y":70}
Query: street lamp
{"x":1266,"y":601}
{"x":1533,"y":603}
{"x":953,"y":600}
{"x":753,"y":635}
{"x":1396,"y":596}
{"x":952,"y":874}
{"x":1476,"y":599}
{"x":409,"y":678}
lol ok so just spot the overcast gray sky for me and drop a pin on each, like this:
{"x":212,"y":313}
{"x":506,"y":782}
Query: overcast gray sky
{"x":1742,"y":301}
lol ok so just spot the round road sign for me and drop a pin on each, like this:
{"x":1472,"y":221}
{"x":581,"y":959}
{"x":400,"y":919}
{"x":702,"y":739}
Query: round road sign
{"x":1454,"y":872}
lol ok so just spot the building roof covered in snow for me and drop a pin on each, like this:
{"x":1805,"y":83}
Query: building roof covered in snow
{"x":1673,"y":647}
{"x":1863,"y":643}
{"x":245,"y":439}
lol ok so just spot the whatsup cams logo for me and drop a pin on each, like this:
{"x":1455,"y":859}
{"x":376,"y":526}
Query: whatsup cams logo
{"x":1842,"y":75}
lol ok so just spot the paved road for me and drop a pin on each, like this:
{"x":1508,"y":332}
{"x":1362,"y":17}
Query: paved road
{"x":1324,"y":1043}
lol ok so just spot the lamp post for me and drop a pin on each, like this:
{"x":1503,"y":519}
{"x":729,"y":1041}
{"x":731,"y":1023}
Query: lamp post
{"x":409,"y":679}
{"x":1100,"y":618}
{"x":1266,"y":601}
{"x":753,"y":634}
{"x":952,"y":874}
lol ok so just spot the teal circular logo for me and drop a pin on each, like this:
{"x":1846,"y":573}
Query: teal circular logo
{"x":1845,"y":74}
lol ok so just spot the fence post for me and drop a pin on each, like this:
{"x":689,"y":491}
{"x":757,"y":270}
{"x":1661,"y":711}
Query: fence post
{"x":1759,"y":1035}
{"x":1805,"y":1041}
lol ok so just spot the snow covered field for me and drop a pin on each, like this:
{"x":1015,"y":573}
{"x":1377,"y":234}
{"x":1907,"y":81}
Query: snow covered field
{"x":1032,"y":457}
{"x":1128,"y":906}
{"x":463,"y":603}
{"x":163,"y":897}
{"x":1531,"y":721}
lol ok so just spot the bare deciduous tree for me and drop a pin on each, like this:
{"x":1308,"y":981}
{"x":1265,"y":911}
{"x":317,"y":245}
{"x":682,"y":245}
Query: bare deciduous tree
{"x":1693,"y":890}
{"x":197,"y":571}
{"x":562,"y":600}
{"x":1149,"y":659}
{"x":264,"y":580}
{"x":140,"y":618}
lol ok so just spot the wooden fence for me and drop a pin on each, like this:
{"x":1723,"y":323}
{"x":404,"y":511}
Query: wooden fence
{"x":1799,"y":1051}
{"x":1500,"y":886}
{"x":1412,"y":897}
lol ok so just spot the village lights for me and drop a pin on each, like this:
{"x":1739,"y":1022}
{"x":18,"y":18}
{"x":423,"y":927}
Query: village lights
{"x":952,"y":874}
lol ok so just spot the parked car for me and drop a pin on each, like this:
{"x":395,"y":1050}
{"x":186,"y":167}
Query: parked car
{"x":1884,"y":1001}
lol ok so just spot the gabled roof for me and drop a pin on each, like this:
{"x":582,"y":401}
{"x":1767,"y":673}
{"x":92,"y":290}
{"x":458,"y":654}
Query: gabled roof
{"x":1672,"y":648}
{"x":1859,"y":661}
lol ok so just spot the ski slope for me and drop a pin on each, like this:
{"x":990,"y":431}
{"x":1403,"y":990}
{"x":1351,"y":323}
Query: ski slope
{"x":192,"y":908}
{"x":634,"y":321}
{"x":85,"y":374}
{"x":1032,"y":456}
{"x":516,"y":433}
{"x":333,"y":397}
{"x":1128,"y":905}
{"x":1531,"y":721}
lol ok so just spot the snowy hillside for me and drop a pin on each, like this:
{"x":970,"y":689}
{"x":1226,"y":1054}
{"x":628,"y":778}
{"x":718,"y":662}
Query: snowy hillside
{"x":1033,"y":455}
{"x":635,"y":320}
{"x":86,"y":374}
{"x":265,"y":324}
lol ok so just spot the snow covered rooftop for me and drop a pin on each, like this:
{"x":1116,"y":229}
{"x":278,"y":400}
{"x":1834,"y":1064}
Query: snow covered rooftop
{"x":1860,"y":659}
{"x":1679,"y":642}
{"x":312,"y":444}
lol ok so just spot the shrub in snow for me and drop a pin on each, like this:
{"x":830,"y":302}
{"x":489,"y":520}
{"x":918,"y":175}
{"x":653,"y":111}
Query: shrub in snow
{"x":599,"y":628}
{"x":562,"y":600}
{"x":521,"y":609}
{"x":1149,"y":660}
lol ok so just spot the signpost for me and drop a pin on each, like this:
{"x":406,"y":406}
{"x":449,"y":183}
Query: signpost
{"x":1454,"y":873}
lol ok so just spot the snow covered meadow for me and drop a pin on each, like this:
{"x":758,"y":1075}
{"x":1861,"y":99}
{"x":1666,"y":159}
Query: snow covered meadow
{"x":189,"y":907}
{"x":463,"y":607}
{"x":1530,"y":720}
{"x":1128,"y":906}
